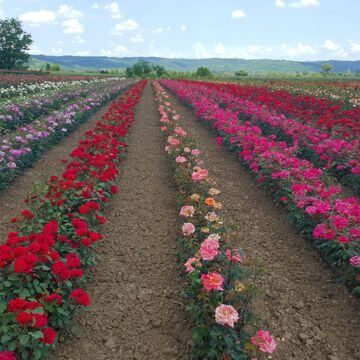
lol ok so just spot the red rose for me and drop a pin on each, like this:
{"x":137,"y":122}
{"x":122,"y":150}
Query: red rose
{"x":24,"y":318}
{"x":7,"y":355}
{"x":49,"y":336}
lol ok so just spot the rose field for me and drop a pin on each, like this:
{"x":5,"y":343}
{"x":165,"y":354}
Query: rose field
{"x":179,"y":219}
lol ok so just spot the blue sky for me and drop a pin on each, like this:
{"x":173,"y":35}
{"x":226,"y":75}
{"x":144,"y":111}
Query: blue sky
{"x":251,"y":29}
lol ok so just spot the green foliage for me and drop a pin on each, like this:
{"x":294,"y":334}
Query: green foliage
{"x":145,"y":69}
{"x":55,"y":67}
{"x":48,"y":67}
{"x":14,"y":42}
{"x":326,"y":68}
{"x":203,"y":71}
{"x":241,"y":73}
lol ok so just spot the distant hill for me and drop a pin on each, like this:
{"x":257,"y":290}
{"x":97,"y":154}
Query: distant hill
{"x":214,"y":64}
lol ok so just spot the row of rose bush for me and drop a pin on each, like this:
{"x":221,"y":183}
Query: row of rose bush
{"x":21,"y":148}
{"x":219,"y":280}
{"x":320,"y":211}
{"x":42,"y":264}
{"x":20,"y":111}
{"x":347,"y":91}
{"x":24,"y":83}
{"x":340,"y":158}
{"x":326,"y":114}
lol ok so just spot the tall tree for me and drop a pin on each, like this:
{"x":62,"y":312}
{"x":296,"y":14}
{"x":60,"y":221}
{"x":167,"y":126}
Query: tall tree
{"x":14,"y":42}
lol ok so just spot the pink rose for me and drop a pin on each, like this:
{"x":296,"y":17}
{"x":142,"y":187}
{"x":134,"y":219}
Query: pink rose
{"x":226,"y":315}
{"x":180,"y":159}
{"x":187,"y":211}
{"x":212,"y":281}
{"x":195,"y":152}
{"x":264,"y":341}
{"x":234,"y":256}
{"x":209,"y":249}
{"x":188,"y":229}
{"x":199,"y":175}
{"x":355,"y":261}
{"x":189,"y":264}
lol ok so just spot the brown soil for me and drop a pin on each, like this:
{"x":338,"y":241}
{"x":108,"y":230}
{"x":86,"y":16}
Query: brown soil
{"x":137,"y":311}
{"x":312,"y":316}
{"x":11,"y":199}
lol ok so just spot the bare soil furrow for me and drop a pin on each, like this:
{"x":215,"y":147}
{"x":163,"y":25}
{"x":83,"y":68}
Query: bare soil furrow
{"x":137,"y":311}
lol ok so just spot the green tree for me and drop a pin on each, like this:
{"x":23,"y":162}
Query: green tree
{"x":14,"y":42}
{"x":129,"y":72}
{"x":47,"y":67}
{"x":203,"y":72}
{"x":241,"y":73}
{"x":326,"y":68}
{"x":55,"y":67}
{"x":159,"y":70}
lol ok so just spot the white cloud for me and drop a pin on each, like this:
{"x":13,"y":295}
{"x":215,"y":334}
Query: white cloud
{"x":158,"y":30}
{"x":34,"y":50}
{"x":299,"y":50}
{"x":200,"y":50}
{"x":280,"y":3}
{"x":57,"y":51}
{"x":118,"y":50}
{"x":137,"y":39}
{"x":78,"y":40}
{"x":83,"y":53}
{"x":354,"y":46}
{"x":304,"y":3}
{"x":69,"y":11}
{"x":36,"y":18}
{"x":219,"y":49}
{"x":72,"y":26}
{"x":330,"y":45}
{"x":238,"y":14}
{"x":95,"y":6}
{"x":183,"y":28}
{"x":127,"y":25}
{"x":114,"y":10}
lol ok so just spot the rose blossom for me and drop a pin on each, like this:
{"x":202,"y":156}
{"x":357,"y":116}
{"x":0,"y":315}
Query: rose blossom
{"x":226,"y":315}
{"x":233,"y":256}
{"x":189,"y":264}
{"x":264,"y":341}
{"x":213,"y":192}
{"x":180,"y":159}
{"x":355,"y":261}
{"x":212,"y":281}
{"x":187,"y":211}
{"x":188,"y":229}
{"x":199,"y":175}
{"x":209,"y":249}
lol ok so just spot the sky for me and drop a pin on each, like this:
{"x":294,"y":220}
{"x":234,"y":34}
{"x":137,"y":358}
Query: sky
{"x":249,"y":29}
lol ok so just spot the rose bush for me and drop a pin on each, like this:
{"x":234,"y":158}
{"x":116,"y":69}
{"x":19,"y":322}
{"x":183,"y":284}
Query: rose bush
{"x":219,"y":284}
{"x":42,"y":263}
{"x":318,"y":208}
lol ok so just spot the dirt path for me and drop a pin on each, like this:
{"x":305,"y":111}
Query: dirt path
{"x":137,"y":311}
{"x":11,"y":199}
{"x":302,"y":304}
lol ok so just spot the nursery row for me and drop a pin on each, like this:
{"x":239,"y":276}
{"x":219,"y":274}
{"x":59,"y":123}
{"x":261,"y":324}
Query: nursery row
{"x":347,"y":91}
{"x":334,"y":117}
{"x":17,"y":111}
{"x":20,"y":148}
{"x":338,"y":157}
{"x":219,"y":286}
{"x":20,"y":85}
{"x":321,"y":211}
{"x":43,"y":261}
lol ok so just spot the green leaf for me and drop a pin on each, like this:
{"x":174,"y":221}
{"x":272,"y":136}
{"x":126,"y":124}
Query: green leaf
{"x":36,"y":334}
{"x":5,"y":339}
{"x":24,"y":339}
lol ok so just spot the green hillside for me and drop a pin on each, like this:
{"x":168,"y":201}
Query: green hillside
{"x":214,"y":64}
